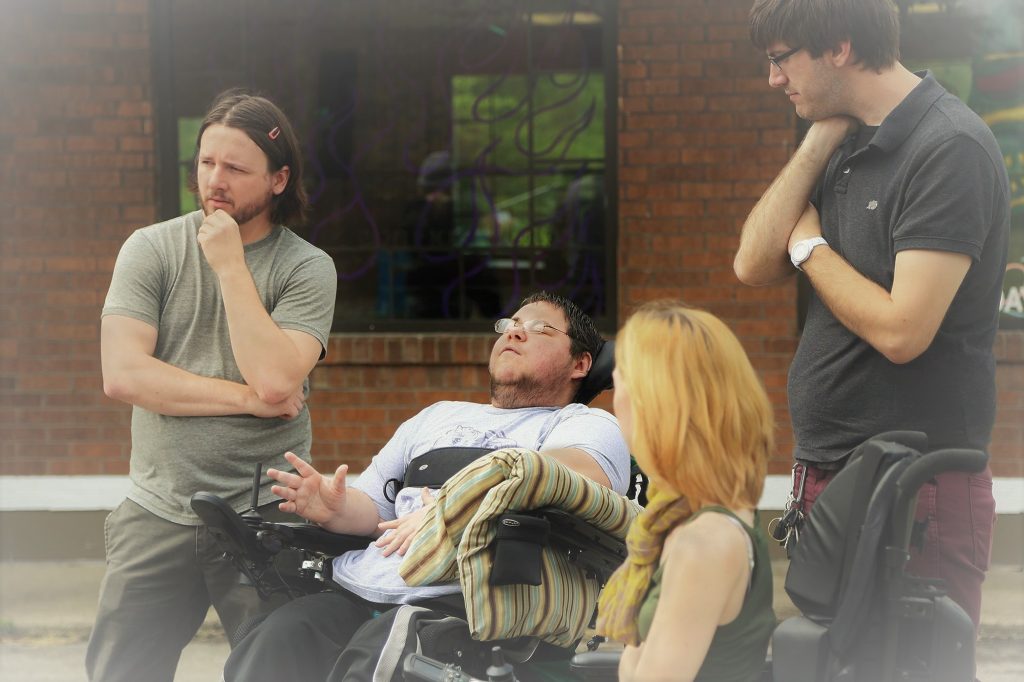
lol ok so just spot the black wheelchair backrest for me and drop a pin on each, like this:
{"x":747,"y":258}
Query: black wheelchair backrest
{"x":824,"y":555}
{"x":600,"y":376}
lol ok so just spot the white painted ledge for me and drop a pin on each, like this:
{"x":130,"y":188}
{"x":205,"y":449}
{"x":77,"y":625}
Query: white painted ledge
{"x":98,"y":493}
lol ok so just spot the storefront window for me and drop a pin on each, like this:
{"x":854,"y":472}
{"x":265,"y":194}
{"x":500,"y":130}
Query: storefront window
{"x":460,"y":153}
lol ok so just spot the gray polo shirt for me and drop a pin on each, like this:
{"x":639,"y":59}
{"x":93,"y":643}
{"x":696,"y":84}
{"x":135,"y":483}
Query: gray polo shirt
{"x":932,"y":177}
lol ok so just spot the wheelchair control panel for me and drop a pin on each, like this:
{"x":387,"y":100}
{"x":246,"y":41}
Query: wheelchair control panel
{"x":256,"y":546}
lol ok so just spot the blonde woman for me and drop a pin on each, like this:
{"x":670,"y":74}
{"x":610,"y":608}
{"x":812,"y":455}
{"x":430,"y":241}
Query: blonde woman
{"x":693,"y":601}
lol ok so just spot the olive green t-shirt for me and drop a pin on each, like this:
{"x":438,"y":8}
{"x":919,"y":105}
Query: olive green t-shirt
{"x":738,"y":649}
{"x":162,"y":278}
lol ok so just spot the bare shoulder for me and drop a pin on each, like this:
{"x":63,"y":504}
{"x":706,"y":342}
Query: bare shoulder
{"x":710,"y":543}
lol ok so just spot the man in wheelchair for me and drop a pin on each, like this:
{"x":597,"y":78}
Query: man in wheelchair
{"x":537,"y":364}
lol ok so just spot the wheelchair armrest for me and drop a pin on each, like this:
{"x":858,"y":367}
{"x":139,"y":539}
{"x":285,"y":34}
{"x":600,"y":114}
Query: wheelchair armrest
{"x":312,"y":538}
{"x":258,"y":540}
{"x":596,"y":666}
{"x":252,"y":545}
{"x":235,"y":536}
{"x":587,"y":546}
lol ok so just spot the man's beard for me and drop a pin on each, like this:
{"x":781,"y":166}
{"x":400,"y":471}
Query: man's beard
{"x":524,"y":392}
{"x":245,"y":213}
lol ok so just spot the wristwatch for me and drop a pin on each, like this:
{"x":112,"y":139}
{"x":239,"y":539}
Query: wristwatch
{"x":802,"y":250}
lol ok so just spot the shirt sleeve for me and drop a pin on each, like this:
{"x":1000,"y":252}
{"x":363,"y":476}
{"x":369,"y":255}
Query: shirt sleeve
{"x":949,"y":200}
{"x":597,"y":433}
{"x":307,"y":302}
{"x":389,"y":463}
{"x":136,"y":287}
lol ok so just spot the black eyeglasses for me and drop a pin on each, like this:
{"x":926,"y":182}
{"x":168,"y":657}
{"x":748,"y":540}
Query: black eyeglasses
{"x":777,"y":60}
{"x":528,"y":326}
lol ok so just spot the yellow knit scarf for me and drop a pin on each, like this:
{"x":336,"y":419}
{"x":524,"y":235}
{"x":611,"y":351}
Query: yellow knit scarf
{"x":621,"y":598}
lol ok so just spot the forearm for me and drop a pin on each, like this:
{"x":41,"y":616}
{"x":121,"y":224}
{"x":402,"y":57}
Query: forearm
{"x":359,"y":516}
{"x":168,"y":390}
{"x":267,"y":358}
{"x":762,"y":256}
{"x":627,"y":664}
{"x":638,"y":665}
{"x":865,"y":308}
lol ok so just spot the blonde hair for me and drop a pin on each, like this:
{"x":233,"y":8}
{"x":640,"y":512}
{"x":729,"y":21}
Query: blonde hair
{"x":702,"y":423}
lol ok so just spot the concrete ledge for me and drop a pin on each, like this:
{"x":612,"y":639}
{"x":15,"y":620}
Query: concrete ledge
{"x":78,"y":535}
{"x":60,"y":518}
{"x":87,"y":493}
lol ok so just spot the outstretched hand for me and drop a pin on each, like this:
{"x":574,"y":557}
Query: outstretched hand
{"x":309,"y":493}
{"x":404,"y":528}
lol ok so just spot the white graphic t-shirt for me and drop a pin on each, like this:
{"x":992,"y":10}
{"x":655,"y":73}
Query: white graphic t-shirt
{"x":371,"y":575}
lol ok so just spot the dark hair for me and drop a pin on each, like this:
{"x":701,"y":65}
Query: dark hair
{"x":871,"y":26}
{"x":258,"y":117}
{"x":583,"y":334}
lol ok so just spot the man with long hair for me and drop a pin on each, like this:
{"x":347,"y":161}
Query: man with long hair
{"x":211,"y":326}
{"x":896,"y":207}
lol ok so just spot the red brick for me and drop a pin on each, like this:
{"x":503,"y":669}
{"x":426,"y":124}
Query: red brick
{"x":650,"y":17}
{"x":81,"y":143}
{"x":684,"y":103}
{"x":652,"y":86}
{"x":136,"y":144}
{"x":651,"y":121}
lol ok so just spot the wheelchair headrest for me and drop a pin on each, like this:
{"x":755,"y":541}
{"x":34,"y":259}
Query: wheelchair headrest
{"x":600,"y":376}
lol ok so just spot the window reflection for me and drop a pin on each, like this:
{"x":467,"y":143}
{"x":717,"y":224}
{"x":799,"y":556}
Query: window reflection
{"x":456,"y":149}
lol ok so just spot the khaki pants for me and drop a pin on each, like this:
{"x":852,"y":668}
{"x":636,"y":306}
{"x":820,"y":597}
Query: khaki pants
{"x":160,"y":581}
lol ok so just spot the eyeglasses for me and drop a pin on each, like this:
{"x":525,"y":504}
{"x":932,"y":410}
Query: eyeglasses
{"x":777,"y":60}
{"x":529,"y":326}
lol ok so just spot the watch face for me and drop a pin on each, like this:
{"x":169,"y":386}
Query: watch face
{"x":800,"y":251}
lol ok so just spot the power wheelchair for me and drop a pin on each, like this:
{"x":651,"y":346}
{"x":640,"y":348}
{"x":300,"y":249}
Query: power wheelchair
{"x":256,"y":546}
{"x":863,"y":617}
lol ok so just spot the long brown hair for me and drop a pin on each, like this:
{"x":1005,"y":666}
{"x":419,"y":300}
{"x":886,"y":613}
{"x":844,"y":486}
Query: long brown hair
{"x":266,"y":125}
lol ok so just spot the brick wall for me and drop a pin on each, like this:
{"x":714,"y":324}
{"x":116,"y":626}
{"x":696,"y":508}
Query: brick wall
{"x":700,"y":136}
{"x":1007,"y":449}
{"x":76,"y":157}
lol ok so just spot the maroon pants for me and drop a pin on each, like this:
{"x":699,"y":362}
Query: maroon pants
{"x":960,"y":511}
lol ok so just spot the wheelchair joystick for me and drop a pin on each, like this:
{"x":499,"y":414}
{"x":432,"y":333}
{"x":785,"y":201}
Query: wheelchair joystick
{"x":499,"y":670}
{"x":254,"y":502}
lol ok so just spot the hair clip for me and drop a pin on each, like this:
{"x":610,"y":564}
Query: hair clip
{"x":274,"y":133}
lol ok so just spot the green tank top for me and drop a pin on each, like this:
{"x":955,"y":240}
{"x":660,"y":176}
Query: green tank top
{"x":738,"y":649}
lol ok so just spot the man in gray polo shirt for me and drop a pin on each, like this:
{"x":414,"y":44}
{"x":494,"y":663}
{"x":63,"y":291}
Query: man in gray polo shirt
{"x":896,"y":207}
{"x":211,"y":326}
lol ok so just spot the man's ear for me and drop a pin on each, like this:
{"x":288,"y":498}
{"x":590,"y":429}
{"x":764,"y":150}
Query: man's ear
{"x":581,"y":365}
{"x":279,"y":179}
{"x":841,"y":54}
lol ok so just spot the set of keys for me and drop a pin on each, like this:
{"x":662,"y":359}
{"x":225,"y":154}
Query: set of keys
{"x":785,"y":529}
